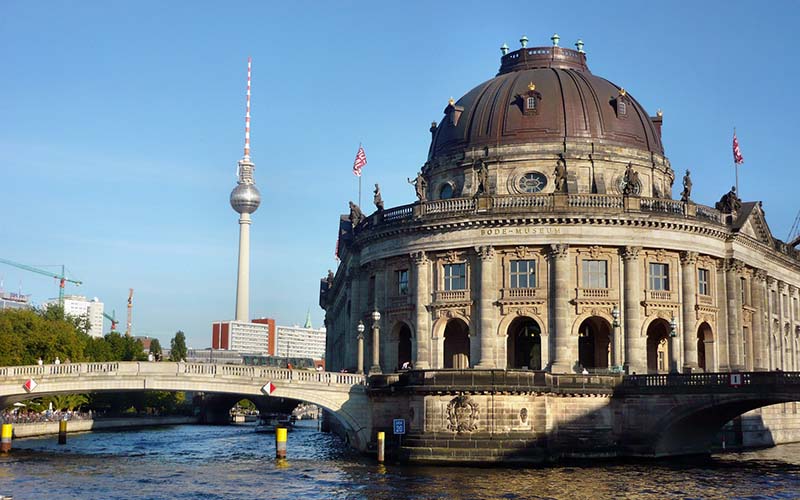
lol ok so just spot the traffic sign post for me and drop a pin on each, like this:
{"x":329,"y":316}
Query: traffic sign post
{"x":736,"y":379}
{"x":399,"y":426}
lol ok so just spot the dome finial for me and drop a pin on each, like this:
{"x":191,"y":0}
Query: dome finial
{"x":579,"y":46}
{"x":555,"y":38}
{"x":659,"y":113}
{"x":531,"y":86}
{"x":451,"y":101}
{"x":504,"y":49}
{"x":523,"y":41}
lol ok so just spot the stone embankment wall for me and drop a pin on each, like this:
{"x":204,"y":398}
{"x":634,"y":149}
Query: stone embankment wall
{"x":48,"y":428}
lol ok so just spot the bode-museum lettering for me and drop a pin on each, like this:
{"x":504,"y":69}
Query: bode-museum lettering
{"x":520,"y":230}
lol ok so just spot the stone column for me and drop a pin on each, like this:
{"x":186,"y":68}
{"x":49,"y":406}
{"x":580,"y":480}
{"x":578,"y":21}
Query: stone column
{"x":380,"y":305}
{"x":563,"y":355}
{"x":689,"y":301}
{"x":422,"y":318}
{"x":791,"y":319}
{"x":785,"y":362}
{"x":733,"y":300}
{"x":760,"y":360}
{"x":486,"y":308}
{"x":353,"y":284}
{"x":635,"y":344}
{"x":774,"y":360}
{"x":721,"y":332}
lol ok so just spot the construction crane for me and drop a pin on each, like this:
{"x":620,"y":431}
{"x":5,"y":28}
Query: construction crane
{"x":794,"y":232}
{"x":62,"y":278}
{"x":112,"y":319}
{"x":130,"y":312}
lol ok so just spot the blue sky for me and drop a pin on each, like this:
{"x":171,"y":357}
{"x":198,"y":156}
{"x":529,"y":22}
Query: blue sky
{"x":121,"y":124}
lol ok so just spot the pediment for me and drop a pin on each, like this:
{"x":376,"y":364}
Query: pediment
{"x":754,"y":225}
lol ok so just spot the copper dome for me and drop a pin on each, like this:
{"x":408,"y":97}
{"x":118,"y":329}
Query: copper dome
{"x":571,"y":104}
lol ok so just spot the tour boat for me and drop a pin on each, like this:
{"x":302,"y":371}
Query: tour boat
{"x":269,"y":422}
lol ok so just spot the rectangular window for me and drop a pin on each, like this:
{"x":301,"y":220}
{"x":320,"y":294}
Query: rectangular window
{"x":531,"y":103}
{"x":402,"y":282}
{"x":743,"y":283}
{"x":595,"y":274}
{"x":774,"y":302}
{"x":523,"y":274}
{"x":796,"y":311}
{"x":785,"y":305}
{"x":455,"y":276}
{"x":702,"y":282}
{"x":659,"y":276}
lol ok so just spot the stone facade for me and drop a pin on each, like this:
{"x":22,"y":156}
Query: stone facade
{"x":545,"y":240}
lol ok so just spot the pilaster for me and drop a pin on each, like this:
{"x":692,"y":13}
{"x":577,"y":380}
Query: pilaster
{"x":733,"y":299}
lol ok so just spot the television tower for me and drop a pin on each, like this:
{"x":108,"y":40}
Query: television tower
{"x":245,"y":199}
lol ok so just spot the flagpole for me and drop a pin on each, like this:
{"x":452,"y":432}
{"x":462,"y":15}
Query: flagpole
{"x":359,"y":180}
{"x":736,"y":166}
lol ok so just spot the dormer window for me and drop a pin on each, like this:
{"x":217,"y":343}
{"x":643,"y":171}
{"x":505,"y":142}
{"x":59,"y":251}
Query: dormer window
{"x":529,"y":100}
{"x":621,"y":104}
{"x":453,"y":112}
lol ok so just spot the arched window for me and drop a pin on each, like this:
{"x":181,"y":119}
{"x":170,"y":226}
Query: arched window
{"x":446,"y":192}
{"x":531,"y":103}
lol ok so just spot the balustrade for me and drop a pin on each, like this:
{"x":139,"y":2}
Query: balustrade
{"x":451,"y":205}
{"x":519,"y":293}
{"x":661,"y":295}
{"x":662,"y":205}
{"x":450,"y":295}
{"x":595,"y":201}
{"x":593,"y":293}
{"x":543,"y":201}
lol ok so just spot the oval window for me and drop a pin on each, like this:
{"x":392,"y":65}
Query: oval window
{"x":532,"y":182}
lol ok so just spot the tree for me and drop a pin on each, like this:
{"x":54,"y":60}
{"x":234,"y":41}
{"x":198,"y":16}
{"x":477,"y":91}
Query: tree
{"x":155,"y":349}
{"x":178,"y":347}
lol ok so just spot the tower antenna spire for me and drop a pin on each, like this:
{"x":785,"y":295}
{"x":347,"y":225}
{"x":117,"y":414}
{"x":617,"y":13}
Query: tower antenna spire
{"x":247,"y":113}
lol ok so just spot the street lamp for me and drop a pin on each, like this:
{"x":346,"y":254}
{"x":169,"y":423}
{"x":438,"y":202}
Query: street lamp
{"x":360,"y":329}
{"x":616,"y":353}
{"x":376,"y":348}
{"x":673,"y":328}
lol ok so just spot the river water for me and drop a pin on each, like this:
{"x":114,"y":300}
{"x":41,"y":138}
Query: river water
{"x":216,"y":462}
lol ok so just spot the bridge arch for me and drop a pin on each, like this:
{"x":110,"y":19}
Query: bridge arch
{"x":342,"y":394}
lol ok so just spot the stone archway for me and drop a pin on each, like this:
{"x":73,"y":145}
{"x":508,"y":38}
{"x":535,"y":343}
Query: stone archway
{"x":524,"y":344}
{"x":403,"y":344}
{"x":594,"y":343}
{"x":456,"y":344}
{"x":705,"y":347}
{"x":658,"y":346}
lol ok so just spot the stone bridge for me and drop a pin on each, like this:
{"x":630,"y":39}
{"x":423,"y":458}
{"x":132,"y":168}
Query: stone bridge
{"x":664,"y":415}
{"x":343,"y":394}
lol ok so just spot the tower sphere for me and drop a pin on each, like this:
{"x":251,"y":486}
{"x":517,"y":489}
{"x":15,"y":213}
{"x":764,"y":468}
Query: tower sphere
{"x":245,"y":198}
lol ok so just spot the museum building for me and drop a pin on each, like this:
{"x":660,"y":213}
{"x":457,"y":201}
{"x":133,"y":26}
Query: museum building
{"x":545,"y":236}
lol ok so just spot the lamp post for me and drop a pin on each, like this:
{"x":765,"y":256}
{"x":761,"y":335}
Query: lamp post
{"x":615,"y":346}
{"x":376,"y":348}
{"x":360,"y":329}
{"x":673,"y":340}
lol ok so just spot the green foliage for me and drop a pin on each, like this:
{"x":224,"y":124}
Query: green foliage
{"x":178,"y":347}
{"x":246,"y":404}
{"x":155,"y":348}
{"x":60,"y":402}
{"x":26,"y":335}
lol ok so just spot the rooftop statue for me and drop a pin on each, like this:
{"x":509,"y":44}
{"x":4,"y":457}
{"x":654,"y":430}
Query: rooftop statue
{"x":356,"y":215}
{"x":560,"y":175}
{"x":631,"y":187}
{"x":730,"y":202}
{"x":329,"y":279}
{"x":687,"y":187}
{"x":483,"y":178}
{"x":377,"y":199}
{"x":420,"y":186}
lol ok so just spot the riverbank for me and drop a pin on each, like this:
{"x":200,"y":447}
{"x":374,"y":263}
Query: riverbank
{"x":51,"y":428}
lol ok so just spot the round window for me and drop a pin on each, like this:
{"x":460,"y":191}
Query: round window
{"x":532,"y":182}
{"x":446,"y":192}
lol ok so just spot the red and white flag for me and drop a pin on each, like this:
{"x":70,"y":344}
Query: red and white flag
{"x":737,"y":153}
{"x":360,"y":161}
